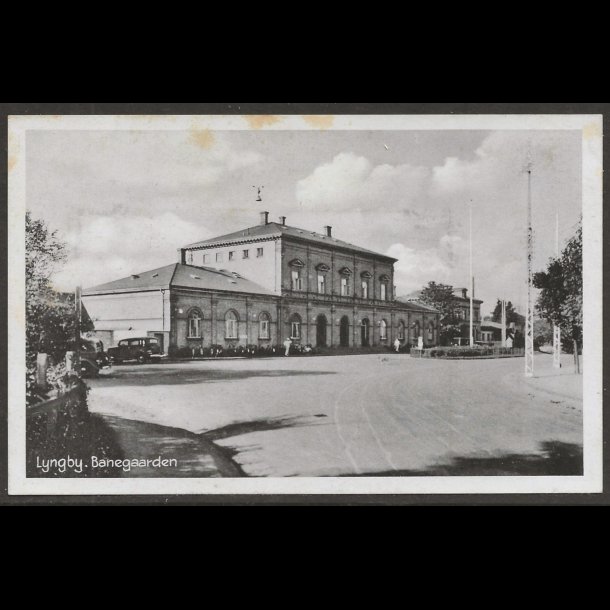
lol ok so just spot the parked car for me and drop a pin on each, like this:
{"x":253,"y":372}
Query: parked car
{"x":92,"y":357}
{"x":141,"y":349}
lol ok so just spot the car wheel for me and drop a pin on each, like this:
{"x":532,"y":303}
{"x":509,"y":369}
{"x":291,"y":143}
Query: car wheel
{"x":142,"y":358}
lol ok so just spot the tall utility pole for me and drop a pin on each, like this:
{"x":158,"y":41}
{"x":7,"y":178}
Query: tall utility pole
{"x":78,"y":313}
{"x":556,"y":327}
{"x":503,"y":323}
{"x":529,"y":318}
{"x":471,"y":278}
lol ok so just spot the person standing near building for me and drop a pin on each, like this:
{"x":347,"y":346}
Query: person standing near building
{"x":287,"y":345}
{"x":397,"y":344}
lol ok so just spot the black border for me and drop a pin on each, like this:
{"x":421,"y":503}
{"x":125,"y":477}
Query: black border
{"x":297,"y":499}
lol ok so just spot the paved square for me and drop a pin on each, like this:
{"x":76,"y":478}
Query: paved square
{"x":355,"y":415}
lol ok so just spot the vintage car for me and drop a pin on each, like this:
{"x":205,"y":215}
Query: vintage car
{"x":141,"y":349}
{"x":92,"y":357}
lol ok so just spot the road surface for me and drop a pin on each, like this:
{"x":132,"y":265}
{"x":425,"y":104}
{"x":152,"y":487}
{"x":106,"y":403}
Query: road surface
{"x":357,"y":415}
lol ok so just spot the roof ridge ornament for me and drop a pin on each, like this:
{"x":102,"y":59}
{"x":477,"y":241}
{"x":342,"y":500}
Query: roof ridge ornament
{"x":258,"y":192}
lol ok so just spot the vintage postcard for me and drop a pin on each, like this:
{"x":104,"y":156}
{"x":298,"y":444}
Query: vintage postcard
{"x":299,"y":304}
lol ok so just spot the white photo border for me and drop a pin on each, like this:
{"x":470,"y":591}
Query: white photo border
{"x":590,"y":126}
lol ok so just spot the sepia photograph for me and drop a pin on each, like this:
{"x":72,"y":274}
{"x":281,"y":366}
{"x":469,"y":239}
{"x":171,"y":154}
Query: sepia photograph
{"x":305,"y":304}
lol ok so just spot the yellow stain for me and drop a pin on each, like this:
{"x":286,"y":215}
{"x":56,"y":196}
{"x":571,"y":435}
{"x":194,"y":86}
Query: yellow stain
{"x":320,"y":121}
{"x":203,"y":138}
{"x":591,"y":130}
{"x":257,"y":121}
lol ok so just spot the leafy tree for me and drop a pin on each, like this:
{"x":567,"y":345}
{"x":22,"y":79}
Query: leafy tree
{"x":543,"y":333}
{"x":440,"y":296}
{"x":511,"y":314}
{"x":560,"y":298}
{"x":50,"y":319}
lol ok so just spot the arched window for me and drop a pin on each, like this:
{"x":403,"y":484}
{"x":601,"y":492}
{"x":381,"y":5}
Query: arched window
{"x":263,"y":326}
{"x":194,"y":324}
{"x":383,"y":330}
{"x":417,"y":328}
{"x":431,"y":331}
{"x":231,"y":320}
{"x":295,"y":326}
{"x":401,"y":330}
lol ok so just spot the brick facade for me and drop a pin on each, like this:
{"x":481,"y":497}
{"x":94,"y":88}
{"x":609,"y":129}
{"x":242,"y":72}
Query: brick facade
{"x":326,"y":305}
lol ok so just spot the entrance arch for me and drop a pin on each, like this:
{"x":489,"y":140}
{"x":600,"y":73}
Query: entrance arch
{"x":344,"y":332}
{"x":365,"y":328}
{"x":321,"y":324}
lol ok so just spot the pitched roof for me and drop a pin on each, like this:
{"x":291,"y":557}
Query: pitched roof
{"x":416,"y":294}
{"x":183,"y":276}
{"x":416,"y":305}
{"x":274,"y":229}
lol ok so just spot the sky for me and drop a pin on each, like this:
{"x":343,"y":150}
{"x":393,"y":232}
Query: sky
{"x":125,"y":201}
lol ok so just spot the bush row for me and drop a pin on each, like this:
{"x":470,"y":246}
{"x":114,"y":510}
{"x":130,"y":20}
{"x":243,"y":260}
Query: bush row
{"x":465,"y":352}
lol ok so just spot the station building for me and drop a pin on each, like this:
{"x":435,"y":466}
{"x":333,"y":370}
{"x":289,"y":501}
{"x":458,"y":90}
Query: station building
{"x":258,"y":286}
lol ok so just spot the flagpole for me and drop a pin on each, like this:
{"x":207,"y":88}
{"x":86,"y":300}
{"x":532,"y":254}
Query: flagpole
{"x":529,"y":319}
{"x":471,"y":278}
{"x":556,"y":327}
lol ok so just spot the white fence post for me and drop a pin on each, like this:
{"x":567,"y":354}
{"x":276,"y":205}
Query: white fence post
{"x":42,"y":364}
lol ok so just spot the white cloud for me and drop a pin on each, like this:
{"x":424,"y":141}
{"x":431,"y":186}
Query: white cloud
{"x":415,"y":268}
{"x":352,"y":182}
{"x":107,"y":248}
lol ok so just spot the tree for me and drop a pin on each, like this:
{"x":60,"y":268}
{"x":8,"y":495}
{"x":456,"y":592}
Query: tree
{"x":440,"y":296}
{"x":511,"y":314}
{"x":50,"y":319}
{"x":560,"y":298}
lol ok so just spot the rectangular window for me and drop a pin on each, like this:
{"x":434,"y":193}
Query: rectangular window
{"x":296,"y":280}
{"x":382,"y":294}
{"x":259,"y":252}
{"x":365,"y":289}
{"x":295,"y":330}
{"x":219,"y":257}
{"x":245,"y":254}
{"x":206,"y":258}
{"x":321,"y":284}
{"x":263,"y":332}
{"x":231,"y":255}
{"x":344,"y":287}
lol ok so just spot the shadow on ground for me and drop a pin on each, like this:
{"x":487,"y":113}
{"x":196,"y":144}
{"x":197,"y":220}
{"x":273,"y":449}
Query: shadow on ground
{"x":555,"y":459}
{"x":151,"y":377}
{"x":196,"y":454}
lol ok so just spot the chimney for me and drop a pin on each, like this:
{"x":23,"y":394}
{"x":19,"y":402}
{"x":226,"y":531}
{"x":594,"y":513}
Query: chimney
{"x":328,"y":230}
{"x":182,"y":256}
{"x":264,"y":218}
{"x":464,"y":293}
{"x":283,"y":220}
